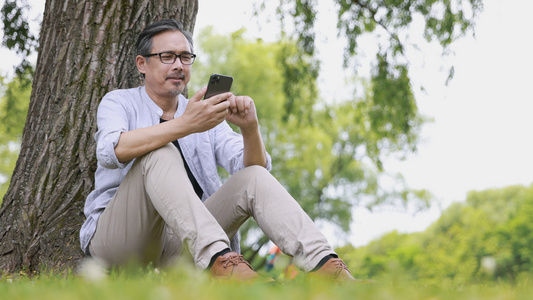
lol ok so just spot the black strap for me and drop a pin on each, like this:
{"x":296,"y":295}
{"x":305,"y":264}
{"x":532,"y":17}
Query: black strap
{"x":193,"y":180}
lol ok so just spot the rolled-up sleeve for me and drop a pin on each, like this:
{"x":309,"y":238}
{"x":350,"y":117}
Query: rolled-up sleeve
{"x":112,"y":120}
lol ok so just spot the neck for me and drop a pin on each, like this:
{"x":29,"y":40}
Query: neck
{"x":169,"y":104}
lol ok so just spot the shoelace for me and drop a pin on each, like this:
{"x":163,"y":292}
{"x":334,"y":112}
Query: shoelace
{"x":339,"y":266}
{"x":233,"y":261}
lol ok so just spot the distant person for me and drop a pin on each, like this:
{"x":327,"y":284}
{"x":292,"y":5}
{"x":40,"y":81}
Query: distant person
{"x":156,"y":184}
{"x":289,"y":270}
{"x":272,"y":256}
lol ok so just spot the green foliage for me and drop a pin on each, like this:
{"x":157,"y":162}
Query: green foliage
{"x":445,"y":21}
{"x":17,"y":35}
{"x":13,"y":110}
{"x":327,"y":155}
{"x":299,"y":71}
{"x":252,"y":64}
{"x":485,"y":239}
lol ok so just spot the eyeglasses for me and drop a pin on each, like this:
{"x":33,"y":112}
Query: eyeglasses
{"x":170,"y":57}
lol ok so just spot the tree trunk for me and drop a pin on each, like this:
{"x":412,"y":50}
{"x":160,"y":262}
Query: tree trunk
{"x":87,"y":48}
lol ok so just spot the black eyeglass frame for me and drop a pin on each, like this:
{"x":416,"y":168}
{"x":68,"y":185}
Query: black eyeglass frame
{"x":175,"y":57}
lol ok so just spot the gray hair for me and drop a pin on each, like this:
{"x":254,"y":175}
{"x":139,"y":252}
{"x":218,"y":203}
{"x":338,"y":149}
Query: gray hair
{"x":144,"y":41}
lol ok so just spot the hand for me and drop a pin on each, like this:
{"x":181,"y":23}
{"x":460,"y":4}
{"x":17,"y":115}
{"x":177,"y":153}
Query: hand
{"x":202,"y":115}
{"x":242,"y":112}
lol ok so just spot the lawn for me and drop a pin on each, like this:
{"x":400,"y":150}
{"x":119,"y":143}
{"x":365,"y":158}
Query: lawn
{"x":186,"y":283}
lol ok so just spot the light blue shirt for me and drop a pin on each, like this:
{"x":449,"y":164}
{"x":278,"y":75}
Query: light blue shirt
{"x":125,"y":110}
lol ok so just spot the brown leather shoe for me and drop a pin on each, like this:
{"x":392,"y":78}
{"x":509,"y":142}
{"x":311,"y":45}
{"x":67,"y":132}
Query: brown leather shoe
{"x":335,"y":269}
{"x":232,"y":266}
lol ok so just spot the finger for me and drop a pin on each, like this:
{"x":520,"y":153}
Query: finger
{"x":199,"y":94}
{"x":240,"y":104}
{"x":219,"y":98}
{"x":232,"y":103}
{"x":221,"y":106}
{"x":247,"y":104}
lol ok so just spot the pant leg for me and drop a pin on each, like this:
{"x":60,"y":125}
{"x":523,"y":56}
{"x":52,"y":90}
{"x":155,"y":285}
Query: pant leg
{"x":254,"y":192}
{"x":171,"y":248}
{"x":156,"y":192}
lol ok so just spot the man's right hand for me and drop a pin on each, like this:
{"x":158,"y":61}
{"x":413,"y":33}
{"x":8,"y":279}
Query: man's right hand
{"x":201,"y":115}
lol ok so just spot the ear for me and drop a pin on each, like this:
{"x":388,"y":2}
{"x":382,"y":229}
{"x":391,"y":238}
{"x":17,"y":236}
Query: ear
{"x":140,"y":61}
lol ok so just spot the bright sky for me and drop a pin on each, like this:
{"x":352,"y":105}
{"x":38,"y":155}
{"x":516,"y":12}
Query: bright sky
{"x":481,"y":134}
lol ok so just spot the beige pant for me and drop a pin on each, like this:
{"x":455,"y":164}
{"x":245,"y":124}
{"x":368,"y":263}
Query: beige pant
{"x":155,"y":210}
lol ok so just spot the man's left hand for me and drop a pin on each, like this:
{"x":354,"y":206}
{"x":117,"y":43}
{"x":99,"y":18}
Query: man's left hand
{"x":242,"y":112}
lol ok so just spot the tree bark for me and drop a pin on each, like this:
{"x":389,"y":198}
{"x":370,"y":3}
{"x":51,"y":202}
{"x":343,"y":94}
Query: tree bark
{"x":87,"y":48}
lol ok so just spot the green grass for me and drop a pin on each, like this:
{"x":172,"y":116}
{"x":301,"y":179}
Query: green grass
{"x":187,"y":283}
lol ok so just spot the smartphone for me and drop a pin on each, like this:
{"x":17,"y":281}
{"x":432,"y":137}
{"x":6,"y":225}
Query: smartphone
{"x":218,"y":84}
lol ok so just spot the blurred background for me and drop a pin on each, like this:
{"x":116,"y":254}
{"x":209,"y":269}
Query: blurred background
{"x":412,"y":154}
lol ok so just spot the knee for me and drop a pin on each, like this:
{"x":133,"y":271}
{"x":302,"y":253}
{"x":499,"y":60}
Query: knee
{"x":255,"y":172}
{"x":167,"y":151}
{"x":256,"y":169}
{"x":167,"y":155}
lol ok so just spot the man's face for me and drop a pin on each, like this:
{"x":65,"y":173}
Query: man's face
{"x":161,"y":79}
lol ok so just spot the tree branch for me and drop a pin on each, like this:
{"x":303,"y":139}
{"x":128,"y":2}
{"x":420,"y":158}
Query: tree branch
{"x":373,"y":14}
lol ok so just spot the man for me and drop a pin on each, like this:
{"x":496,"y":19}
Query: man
{"x":157,"y":161}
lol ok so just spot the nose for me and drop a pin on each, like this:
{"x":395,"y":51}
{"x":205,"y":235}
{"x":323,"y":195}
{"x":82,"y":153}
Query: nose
{"x":177,"y":64}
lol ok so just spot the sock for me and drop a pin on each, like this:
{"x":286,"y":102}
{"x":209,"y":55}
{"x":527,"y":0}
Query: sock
{"x":324,"y":261}
{"x":217,"y":255}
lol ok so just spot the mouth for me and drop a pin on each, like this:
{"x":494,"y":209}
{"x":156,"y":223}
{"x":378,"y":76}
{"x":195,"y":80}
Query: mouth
{"x":175,"y":77}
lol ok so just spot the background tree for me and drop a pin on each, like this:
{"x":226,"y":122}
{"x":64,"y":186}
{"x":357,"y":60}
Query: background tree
{"x":15,"y":94}
{"x":320,"y":157}
{"x":17,"y":35}
{"x":384,"y":120}
{"x":487,"y":238}
{"x":394,"y":113}
{"x":387,"y":20}
{"x":86,"y":48}
{"x":13,"y":111}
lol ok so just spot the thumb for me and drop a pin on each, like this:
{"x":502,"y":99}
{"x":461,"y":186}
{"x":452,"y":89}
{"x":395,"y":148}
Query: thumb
{"x":199,"y":95}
